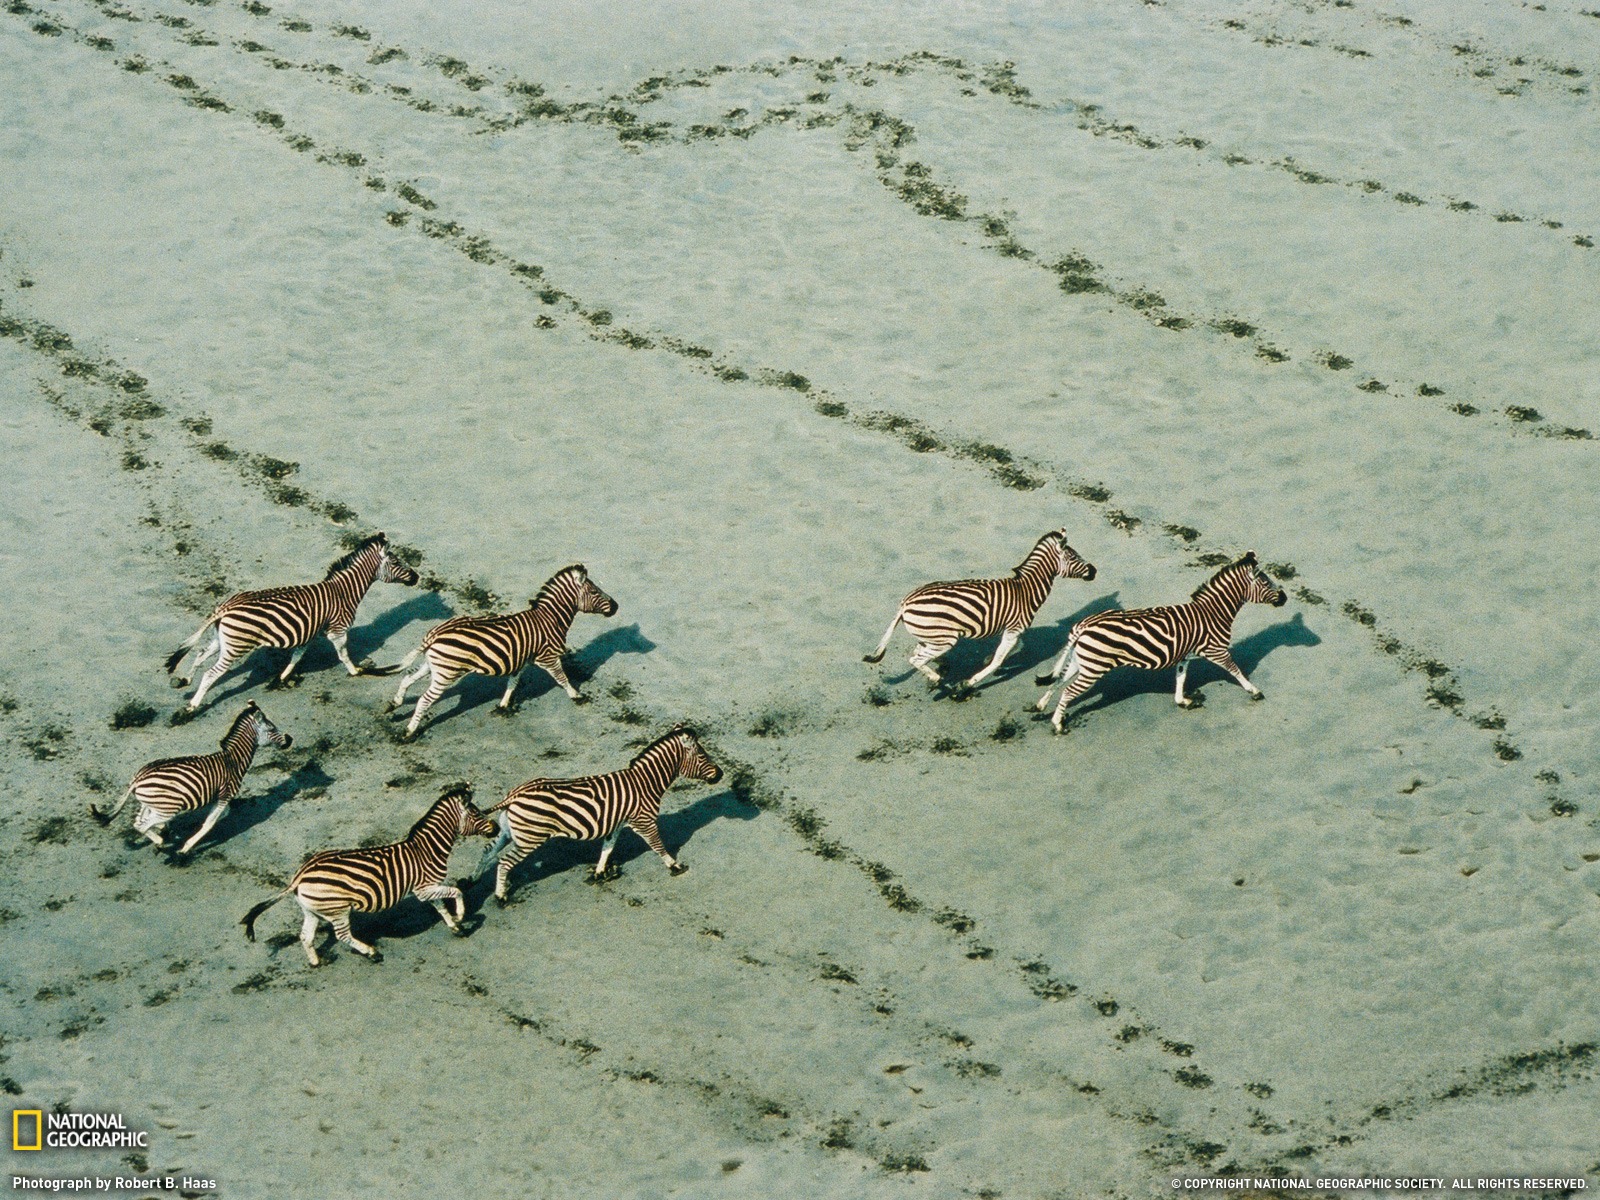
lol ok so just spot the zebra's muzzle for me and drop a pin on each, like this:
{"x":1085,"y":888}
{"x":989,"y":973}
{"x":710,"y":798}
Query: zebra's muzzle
{"x":1280,"y":600}
{"x":288,"y":741}
{"x":715,"y":776}
{"x":1089,"y":574}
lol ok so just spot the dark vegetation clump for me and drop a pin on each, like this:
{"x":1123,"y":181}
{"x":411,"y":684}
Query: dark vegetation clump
{"x":132,"y":714}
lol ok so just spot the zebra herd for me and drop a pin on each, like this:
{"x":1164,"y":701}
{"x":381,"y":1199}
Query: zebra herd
{"x":332,"y":884}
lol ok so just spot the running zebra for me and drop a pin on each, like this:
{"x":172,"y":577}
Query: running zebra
{"x":171,"y":786}
{"x":290,"y":617}
{"x":1154,"y":638}
{"x":597,"y":806}
{"x":940,"y":614}
{"x":503,"y":645}
{"x":332,"y":884}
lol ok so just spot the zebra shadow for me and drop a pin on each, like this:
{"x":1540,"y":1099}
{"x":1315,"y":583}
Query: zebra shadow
{"x":1037,"y":645}
{"x":246,"y":812}
{"x":560,"y":855}
{"x":425,"y":606}
{"x":582,"y":665}
{"x":1119,"y":684}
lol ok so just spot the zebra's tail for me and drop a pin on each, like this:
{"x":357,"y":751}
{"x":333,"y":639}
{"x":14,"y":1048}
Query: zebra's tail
{"x":877,"y":655}
{"x":409,"y":659}
{"x":105,"y":818}
{"x":1049,"y":678}
{"x":176,"y":656}
{"x":249,"y":921}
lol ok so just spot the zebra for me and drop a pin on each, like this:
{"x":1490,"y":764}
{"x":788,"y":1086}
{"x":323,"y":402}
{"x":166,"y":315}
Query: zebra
{"x":940,"y":614}
{"x":1154,"y":638}
{"x":291,"y":616}
{"x":332,"y":884}
{"x":170,"y":786}
{"x":503,"y":645}
{"x":597,"y":806}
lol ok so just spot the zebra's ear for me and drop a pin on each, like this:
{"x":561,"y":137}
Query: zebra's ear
{"x":1250,"y":557}
{"x":252,"y":706}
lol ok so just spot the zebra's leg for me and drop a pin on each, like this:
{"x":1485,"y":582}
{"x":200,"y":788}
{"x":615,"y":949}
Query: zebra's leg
{"x":227,"y":656}
{"x":179,"y":681}
{"x":436,"y":895}
{"x":406,"y":682}
{"x":510,"y":857}
{"x":341,"y":648}
{"x":1177,"y":692}
{"x":552,"y":667}
{"x":341,"y":930}
{"x":308,"y":937}
{"x":149,"y":823}
{"x":218,"y":811}
{"x":1007,"y":640}
{"x":1225,"y":660}
{"x":606,"y":848}
{"x":295,"y":656}
{"x":504,"y":707}
{"x":925,"y":653}
{"x":1073,"y":668}
{"x":435,"y":689}
{"x":1076,"y":688}
{"x":645,"y":826}
{"x":494,"y":850}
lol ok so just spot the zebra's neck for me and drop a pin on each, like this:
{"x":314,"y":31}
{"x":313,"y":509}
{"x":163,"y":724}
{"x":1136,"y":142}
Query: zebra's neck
{"x":557,"y":603}
{"x":658,"y":765}
{"x":435,"y":833}
{"x":1036,"y":574}
{"x":363,"y":569}
{"x":1221,"y":598}
{"x":239,"y":747}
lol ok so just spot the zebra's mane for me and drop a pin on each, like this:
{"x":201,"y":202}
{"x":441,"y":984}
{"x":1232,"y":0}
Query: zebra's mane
{"x":250,"y":710}
{"x":1247,"y":560}
{"x":376,"y":539}
{"x":1016,"y":571}
{"x":458,"y":791}
{"x":550,"y":584}
{"x":666,"y":737}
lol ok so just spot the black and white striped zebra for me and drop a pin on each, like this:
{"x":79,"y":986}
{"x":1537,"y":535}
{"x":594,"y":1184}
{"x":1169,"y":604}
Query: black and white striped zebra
{"x":597,"y":806}
{"x":332,"y":884}
{"x":940,"y":614}
{"x":170,"y":786}
{"x":289,"y":617}
{"x":503,"y":645}
{"x":1154,"y":638}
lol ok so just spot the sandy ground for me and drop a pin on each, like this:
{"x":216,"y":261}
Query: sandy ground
{"x":769,"y":314}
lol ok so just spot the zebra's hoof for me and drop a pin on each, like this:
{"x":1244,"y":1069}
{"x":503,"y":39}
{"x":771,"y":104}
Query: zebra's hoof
{"x":389,"y":706}
{"x":1043,"y":680}
{"x":677,"y":868}
{"x":182,"y":717}
{"x":580,"y":699}
{"x":376,"y":956}
{"x":501,"y":901}
{"x":1254,"y":696}
{"x":503,"y":710}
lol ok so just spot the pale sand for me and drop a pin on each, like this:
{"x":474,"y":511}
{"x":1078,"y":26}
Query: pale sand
{"x":924,"y":946}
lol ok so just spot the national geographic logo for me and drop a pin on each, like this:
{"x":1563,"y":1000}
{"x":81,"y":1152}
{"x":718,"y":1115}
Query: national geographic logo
{"x":34,"y":1129}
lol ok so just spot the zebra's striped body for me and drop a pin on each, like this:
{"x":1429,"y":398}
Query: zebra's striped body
{"x":171,"y":786}
{"x":503,"y":645}
{"x":940,"y":614}
{"x":289,"y":617}
{"x":332,"y":884}
{"x":1154,"y":638}
{"x":597,"y":806}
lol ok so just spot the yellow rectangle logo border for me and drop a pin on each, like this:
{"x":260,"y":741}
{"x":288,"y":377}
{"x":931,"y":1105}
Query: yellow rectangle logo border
{"x":38,"y":1128}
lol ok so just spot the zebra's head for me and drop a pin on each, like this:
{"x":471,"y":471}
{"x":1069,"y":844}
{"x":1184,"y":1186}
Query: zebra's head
{"x":591,"y":599}
{"x":1070,"y":564}
{"x":1259,"y":589}
{"x":697,"y":763}
{"x":265,"y":731}
{"x":392,"y":570}
{"x":470,"y":822}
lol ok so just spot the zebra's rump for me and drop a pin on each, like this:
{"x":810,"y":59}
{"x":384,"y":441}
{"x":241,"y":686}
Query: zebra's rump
{"x":575,"y":808}
{"x":962,"y":606}
{"x":1146,"y":637}
{"x":175,"y":785}
{"x":365,"y":880}
{"x":285,"y":616}
{"x":484,"y":645}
